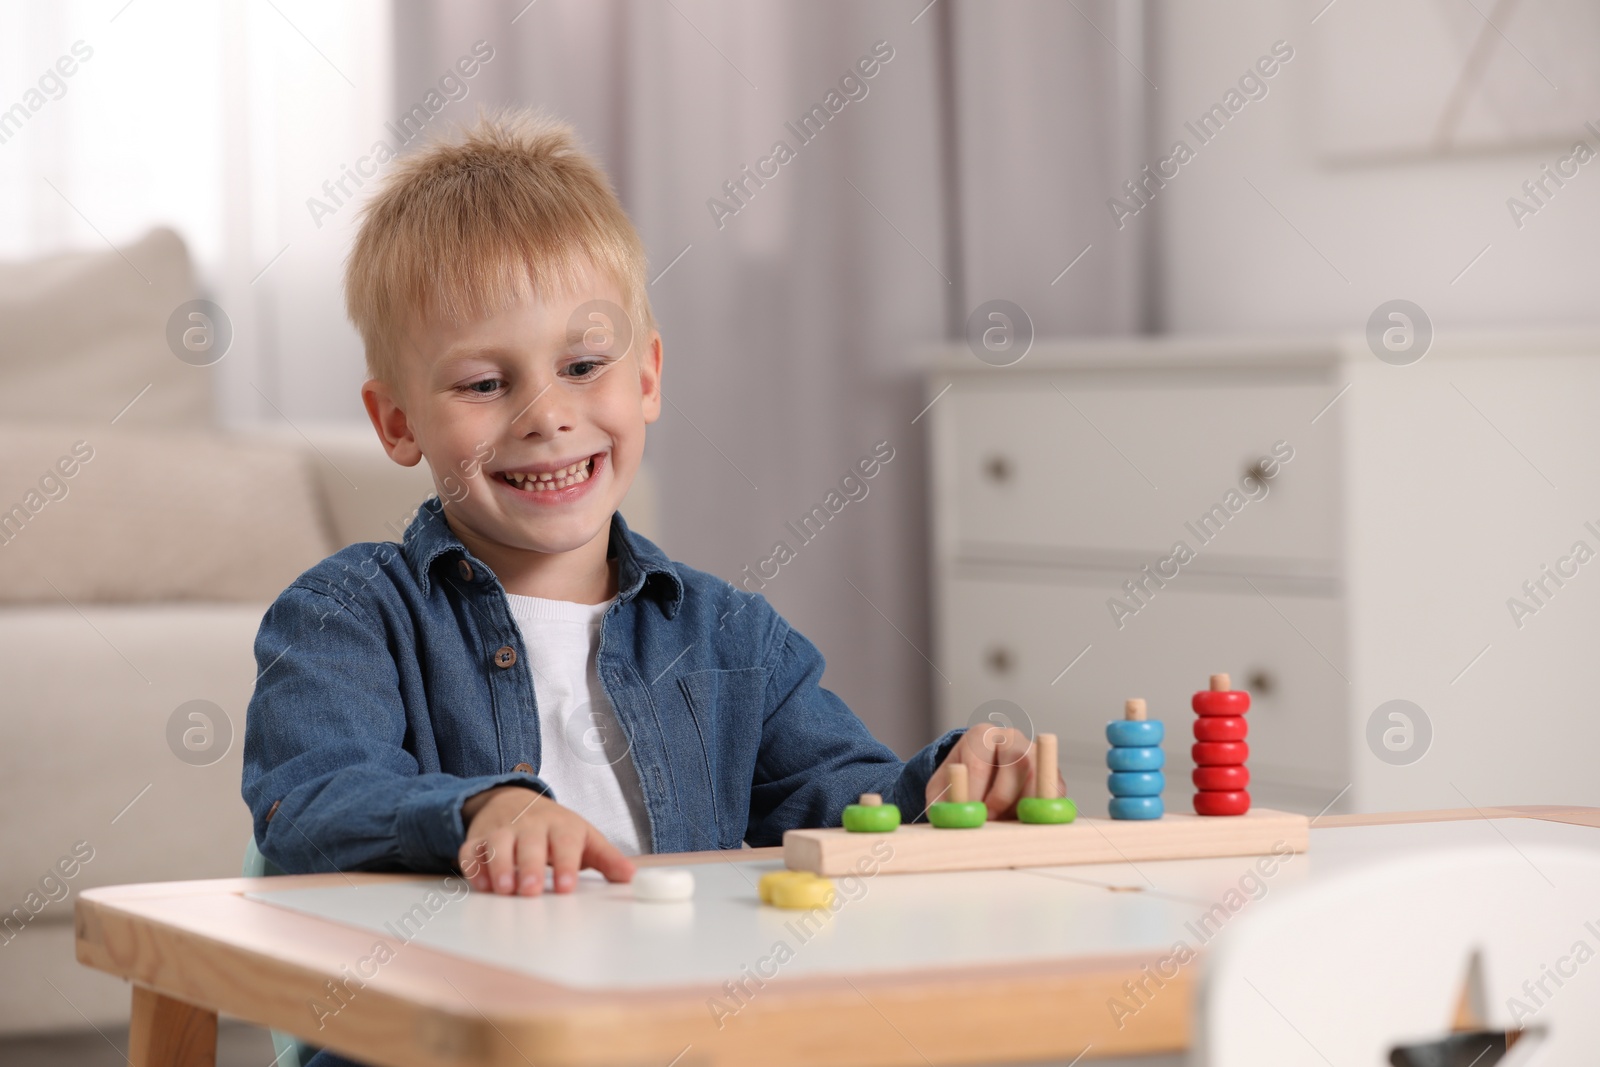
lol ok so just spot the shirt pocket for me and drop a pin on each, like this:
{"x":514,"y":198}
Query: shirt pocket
{"x":727,"y":709}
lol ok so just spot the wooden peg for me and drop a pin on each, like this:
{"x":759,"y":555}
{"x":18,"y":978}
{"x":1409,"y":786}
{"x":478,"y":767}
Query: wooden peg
{"x":1134,"y":710}
{"x":957,"y":793}
{"x":1221,"y":683}
{"x":871,"y":800}
{"x":1047,"y":769}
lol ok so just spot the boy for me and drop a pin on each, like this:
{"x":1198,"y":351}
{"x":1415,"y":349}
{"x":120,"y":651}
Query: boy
{"x":524,"y":686}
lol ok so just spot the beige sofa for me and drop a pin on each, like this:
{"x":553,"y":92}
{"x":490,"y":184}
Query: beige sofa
{"x":137,"y":557}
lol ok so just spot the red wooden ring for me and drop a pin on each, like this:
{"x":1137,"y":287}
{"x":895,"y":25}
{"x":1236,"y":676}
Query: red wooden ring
{"x":1223,"y":779}
{"x":1221,"y":728}
{"x":1208,"y":803}
{"x":1221,"y":702}
{"x":1219,"y":753}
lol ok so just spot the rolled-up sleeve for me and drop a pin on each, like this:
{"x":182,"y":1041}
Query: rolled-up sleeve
{"x":328,"y":778}
{"x":817,"y":756}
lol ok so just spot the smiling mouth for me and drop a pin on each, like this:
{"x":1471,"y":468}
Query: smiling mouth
{"x":574,"y":474}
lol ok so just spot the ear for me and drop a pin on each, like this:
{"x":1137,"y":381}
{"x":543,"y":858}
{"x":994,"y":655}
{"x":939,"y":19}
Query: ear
{"x":389,"y":419}
{"x":650,"y":378}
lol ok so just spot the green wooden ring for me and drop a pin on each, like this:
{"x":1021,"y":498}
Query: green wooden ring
{"x":871,"y":818}
{"x":1046,"y":809}
{"x":951,"y":815}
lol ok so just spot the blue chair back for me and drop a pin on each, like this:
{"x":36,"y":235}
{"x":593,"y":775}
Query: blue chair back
{"x":291,"y":1052}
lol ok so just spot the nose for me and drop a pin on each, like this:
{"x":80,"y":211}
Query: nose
{"x":545,"y":414}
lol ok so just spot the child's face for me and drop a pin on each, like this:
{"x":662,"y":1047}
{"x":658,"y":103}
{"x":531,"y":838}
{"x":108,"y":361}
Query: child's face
{"x":529,"y":391}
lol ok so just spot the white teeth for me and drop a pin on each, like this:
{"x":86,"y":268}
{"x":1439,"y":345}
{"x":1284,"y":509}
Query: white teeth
{"x":561,"y":479}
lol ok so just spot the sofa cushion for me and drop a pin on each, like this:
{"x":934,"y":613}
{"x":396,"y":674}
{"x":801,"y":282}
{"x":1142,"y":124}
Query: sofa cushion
{"x":85,"y":332}
{"x":95,"y":513}
{"x":103,"y":747}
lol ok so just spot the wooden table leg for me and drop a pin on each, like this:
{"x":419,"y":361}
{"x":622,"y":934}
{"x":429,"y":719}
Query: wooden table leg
{"x":169,"y":1033}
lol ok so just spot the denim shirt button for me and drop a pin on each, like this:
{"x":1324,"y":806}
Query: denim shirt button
{"x":505,"y":657}
{"x":465,"y":570}
{"x":523,"y":768}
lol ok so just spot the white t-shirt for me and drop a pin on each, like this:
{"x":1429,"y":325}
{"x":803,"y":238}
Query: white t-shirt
{"x":583,"y":749}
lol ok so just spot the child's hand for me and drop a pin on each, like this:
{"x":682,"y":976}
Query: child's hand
{"x":1000,"y":764}
{"x":520,"y":832}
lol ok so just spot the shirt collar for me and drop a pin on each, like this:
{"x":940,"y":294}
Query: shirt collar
{"x":639,"y":562}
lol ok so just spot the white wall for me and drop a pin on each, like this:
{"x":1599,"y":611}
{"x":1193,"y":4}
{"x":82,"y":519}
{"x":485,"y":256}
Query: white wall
{"x":1450,"y":508}
{"x":1230,"y":263}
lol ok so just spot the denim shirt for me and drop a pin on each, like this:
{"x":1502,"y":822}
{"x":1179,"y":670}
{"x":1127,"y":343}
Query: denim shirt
{"x":393,"y":685}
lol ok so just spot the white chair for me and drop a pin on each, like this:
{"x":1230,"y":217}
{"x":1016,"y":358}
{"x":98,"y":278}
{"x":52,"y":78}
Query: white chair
{"x":1344,"y":969}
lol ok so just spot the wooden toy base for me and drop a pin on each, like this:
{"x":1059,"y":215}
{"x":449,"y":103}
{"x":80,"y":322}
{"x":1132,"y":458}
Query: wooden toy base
{"x":1001,"y":844}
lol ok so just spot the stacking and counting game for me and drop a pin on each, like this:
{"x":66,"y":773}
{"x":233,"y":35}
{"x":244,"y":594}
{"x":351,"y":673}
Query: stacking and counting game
{"x":1220,"y":749}
{"x":1135,"y":760}
{"x":1048,"y":830}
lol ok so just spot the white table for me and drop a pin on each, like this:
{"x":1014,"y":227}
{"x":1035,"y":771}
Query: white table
{"x":952,"y":967}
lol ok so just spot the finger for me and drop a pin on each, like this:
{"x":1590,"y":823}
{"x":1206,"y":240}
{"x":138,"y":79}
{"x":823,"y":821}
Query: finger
{"x":606,"y":857}
{"x":566,"y":850}
{"x":976,"y":744}
{"x":1009,"y":746}
{"x":1010,"y":766}
{"x":500,"y":844}
{"x":980,"y":775}
{"x":1006,"y":786}
{"x":532,"y":857}
{"x":474,"y":862}
{"x":939,"y":781}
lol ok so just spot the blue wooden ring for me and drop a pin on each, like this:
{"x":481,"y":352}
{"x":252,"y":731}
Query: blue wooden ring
{"x":1137,"y":758}
{"x":1135,"y":733}
{"x":1136,"y":808}
{"x":1136,"y":783}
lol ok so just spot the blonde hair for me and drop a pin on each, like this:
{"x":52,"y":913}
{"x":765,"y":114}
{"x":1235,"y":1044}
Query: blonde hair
{"x":464,"y":228}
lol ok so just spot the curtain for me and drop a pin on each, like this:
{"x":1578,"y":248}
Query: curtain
{"x":222,"y":119}
{"x":797,"y":310}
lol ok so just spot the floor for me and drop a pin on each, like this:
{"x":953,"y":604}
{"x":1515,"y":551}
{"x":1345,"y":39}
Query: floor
{"x":238,"y":1045}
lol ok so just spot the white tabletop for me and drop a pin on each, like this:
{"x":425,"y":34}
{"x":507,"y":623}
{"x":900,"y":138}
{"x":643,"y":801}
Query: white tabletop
{"x":598,"y":937}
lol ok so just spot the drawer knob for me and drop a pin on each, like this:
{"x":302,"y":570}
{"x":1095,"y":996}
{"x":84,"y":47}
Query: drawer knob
{"x":998,"y":468}
{"x":1000,"y":660}
{"x":1261,"y":683}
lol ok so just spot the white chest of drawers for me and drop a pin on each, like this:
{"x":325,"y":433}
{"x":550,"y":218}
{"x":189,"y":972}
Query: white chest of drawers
{"x":1372,"y":565}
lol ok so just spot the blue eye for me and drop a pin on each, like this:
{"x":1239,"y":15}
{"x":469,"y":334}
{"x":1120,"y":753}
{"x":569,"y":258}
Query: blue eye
{"x":475,"y":389}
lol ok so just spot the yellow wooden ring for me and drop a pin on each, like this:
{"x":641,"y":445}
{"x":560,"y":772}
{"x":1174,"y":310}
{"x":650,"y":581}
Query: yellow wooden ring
{"x":770,"y":880}
{"x":803,"y":893}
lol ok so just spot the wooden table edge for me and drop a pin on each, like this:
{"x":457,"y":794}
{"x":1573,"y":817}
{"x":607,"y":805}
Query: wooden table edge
{"x":496,"y":1016}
